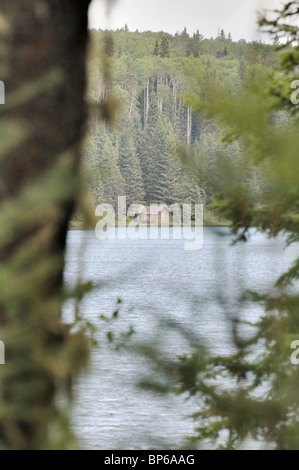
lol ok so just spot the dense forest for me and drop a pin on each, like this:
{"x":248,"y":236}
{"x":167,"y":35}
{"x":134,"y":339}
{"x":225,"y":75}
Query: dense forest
{"x":152,"y":75}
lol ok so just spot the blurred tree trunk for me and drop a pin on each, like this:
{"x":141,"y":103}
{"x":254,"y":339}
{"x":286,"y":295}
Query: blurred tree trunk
{"x":42,"y":63}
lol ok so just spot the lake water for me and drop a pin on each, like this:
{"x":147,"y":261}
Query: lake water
{"x":167,"y":293}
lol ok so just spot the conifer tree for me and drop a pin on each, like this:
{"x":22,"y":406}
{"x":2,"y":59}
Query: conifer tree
{"x":110,"y":176}
{"x":222,"y":35}
{"x":164,"y":47}
{"x":130,"y":168}
{"x":157,"y":48}
{"x":199,"y":37}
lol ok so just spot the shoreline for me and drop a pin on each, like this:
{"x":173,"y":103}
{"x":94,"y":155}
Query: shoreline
{"x":80,"y":226}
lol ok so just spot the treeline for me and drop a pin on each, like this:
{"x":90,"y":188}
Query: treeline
{"x":150,"y":75}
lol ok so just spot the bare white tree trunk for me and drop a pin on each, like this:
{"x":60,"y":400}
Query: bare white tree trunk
{"x":147,"y":101}
{"x":189,"y":125}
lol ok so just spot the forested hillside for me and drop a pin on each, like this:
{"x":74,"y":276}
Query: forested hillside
{"x":149,"y":75}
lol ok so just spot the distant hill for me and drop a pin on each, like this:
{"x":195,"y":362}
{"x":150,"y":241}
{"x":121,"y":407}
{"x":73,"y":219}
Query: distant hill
{"x":149,"y":76}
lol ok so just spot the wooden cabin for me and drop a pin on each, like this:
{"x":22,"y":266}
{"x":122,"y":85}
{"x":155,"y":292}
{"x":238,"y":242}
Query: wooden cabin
{"x":152,"y":213}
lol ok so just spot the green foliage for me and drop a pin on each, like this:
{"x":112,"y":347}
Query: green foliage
{"x":130,"y":167}
{"x":150,"y":79}
{"x":164,"y":48}
{"x":157,"y":48}
{"x":253,"y":393}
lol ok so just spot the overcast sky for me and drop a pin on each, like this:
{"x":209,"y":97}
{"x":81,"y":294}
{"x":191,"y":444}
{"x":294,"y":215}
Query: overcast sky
{"x":235,"y":16}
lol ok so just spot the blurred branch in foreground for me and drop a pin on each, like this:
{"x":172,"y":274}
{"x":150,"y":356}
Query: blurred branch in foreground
{"x":252,"y":394}
{"x":263,"y":404}
{"x":43,"y":48}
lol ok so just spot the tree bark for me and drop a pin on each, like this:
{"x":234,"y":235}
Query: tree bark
{"x":42,"y":64}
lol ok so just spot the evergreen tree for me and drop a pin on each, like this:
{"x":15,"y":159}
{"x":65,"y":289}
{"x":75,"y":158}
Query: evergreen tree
{"x":157,"y":48}
{"x":241,"y":70}
{"x":110,"y":177}
{"x":148,"y":149}
{"x":164,"y":47}
{"x":155,"y":157}
{"x":130,"y":168}
{"x":199,"y":37}
{"x":185,"y":33}
{"x":221,"y":35}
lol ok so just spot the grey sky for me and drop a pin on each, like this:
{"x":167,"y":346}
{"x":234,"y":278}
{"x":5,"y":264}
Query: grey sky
{"x":235,"y":16}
